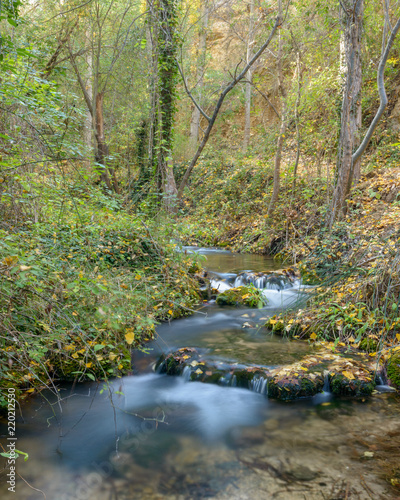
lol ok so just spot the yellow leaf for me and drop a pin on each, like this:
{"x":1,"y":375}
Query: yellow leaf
{"x":398,"y":336}
{"x":138,"y":277}
{"x":372,"y":354}
{"x":99,"y":357}
{"x":170,"y":312}
{"x":120,"y":366}
{"x":348,"y":375}
{"x":313,"y":336}
{"x":24,"y":268}
{"x":198,"y":371}
{"x":89,"y":365}
{"x":130,"y":337}
{"x":273,"y":321}
{"x":75,"y":355}
{"x":112,"y":356}
{"x":351,"y":339}
{"x":303,"y":368}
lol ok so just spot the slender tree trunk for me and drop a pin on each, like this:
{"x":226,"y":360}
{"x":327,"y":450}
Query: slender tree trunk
{"x":347,"y":170}
{"x":102,"y":148}
{"x":282,"y":130}
{"x":249,"y":79}
{"x":88,"y":123}
{"x":201,"y":66}
{"x":296,"y":117}
{"x":167,"y":80}
{"x":152,"y":37}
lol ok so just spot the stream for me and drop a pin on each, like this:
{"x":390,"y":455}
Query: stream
{"x":150,"y":436}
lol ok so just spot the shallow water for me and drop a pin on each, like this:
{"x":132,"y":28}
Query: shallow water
{"x":151,"y":436}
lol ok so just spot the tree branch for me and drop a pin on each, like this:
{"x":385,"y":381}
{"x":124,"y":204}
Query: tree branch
{"x":190,"y":94}
{"x":382,"y":95}
{"x":217,"y":108}
{"x":80,"y":81}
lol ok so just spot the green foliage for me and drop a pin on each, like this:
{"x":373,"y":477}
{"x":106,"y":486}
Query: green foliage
{"x":78,"y":288}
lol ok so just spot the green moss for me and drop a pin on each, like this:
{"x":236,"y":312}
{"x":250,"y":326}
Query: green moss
{"x":393,"y":370}
{"x":292,"y":388}
{"x":368,"y":345}
{"x":342,"y":386}
{"x":242,"y":295}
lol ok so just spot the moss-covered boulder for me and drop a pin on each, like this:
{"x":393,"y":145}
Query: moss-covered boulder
{"x":248,"y":296}
{"x":347,"y":376}
{"x":192,"y":361}
{"x":293,"y":386}
{"x":393,"y":370}
{"x":342,"y":385}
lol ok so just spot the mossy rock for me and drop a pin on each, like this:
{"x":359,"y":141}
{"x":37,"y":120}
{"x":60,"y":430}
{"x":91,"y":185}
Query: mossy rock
{"x":241,"y":296}
{"x":393,"y":370}
{"x":208,"y":371}
{"x":291,"y":387}
{"x":343,"y":386}
{"x":369,"y":345}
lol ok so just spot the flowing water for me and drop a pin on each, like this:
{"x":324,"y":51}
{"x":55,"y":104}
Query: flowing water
{"x":151,"y":436}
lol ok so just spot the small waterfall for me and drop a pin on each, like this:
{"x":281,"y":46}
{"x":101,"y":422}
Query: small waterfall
{"x":381,"y":378}
{"x":234,"y":381}
{"x":326,"y":394}
{"x":240,"y":281}
{"x":382,"y":382}
{"x":327,"y":387}
{"x":187,"y":371}
{"x":259,"y":384}
{"x":260,"y":282}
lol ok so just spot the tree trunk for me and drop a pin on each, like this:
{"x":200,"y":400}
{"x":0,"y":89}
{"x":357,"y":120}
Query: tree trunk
{"x":249,"y":79}
{"x":167,"y":82}
{"x":347,"y":170}
{"x":88,"y":123}
{"x":282,"y":130}
{"x":201,"y":65}
{"x":102,"y":147}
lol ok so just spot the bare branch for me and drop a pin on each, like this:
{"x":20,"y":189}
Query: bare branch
{"x":190,"y":94}
{"x":88,"y":101}
{"x":266,"y":98}
{"x":225,"y":92}
{"x":382,"y":95}
{"x":67,"y":11}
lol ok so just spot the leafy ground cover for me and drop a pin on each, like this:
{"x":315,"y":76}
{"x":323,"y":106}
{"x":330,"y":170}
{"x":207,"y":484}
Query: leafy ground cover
{"x":80,"y":288}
